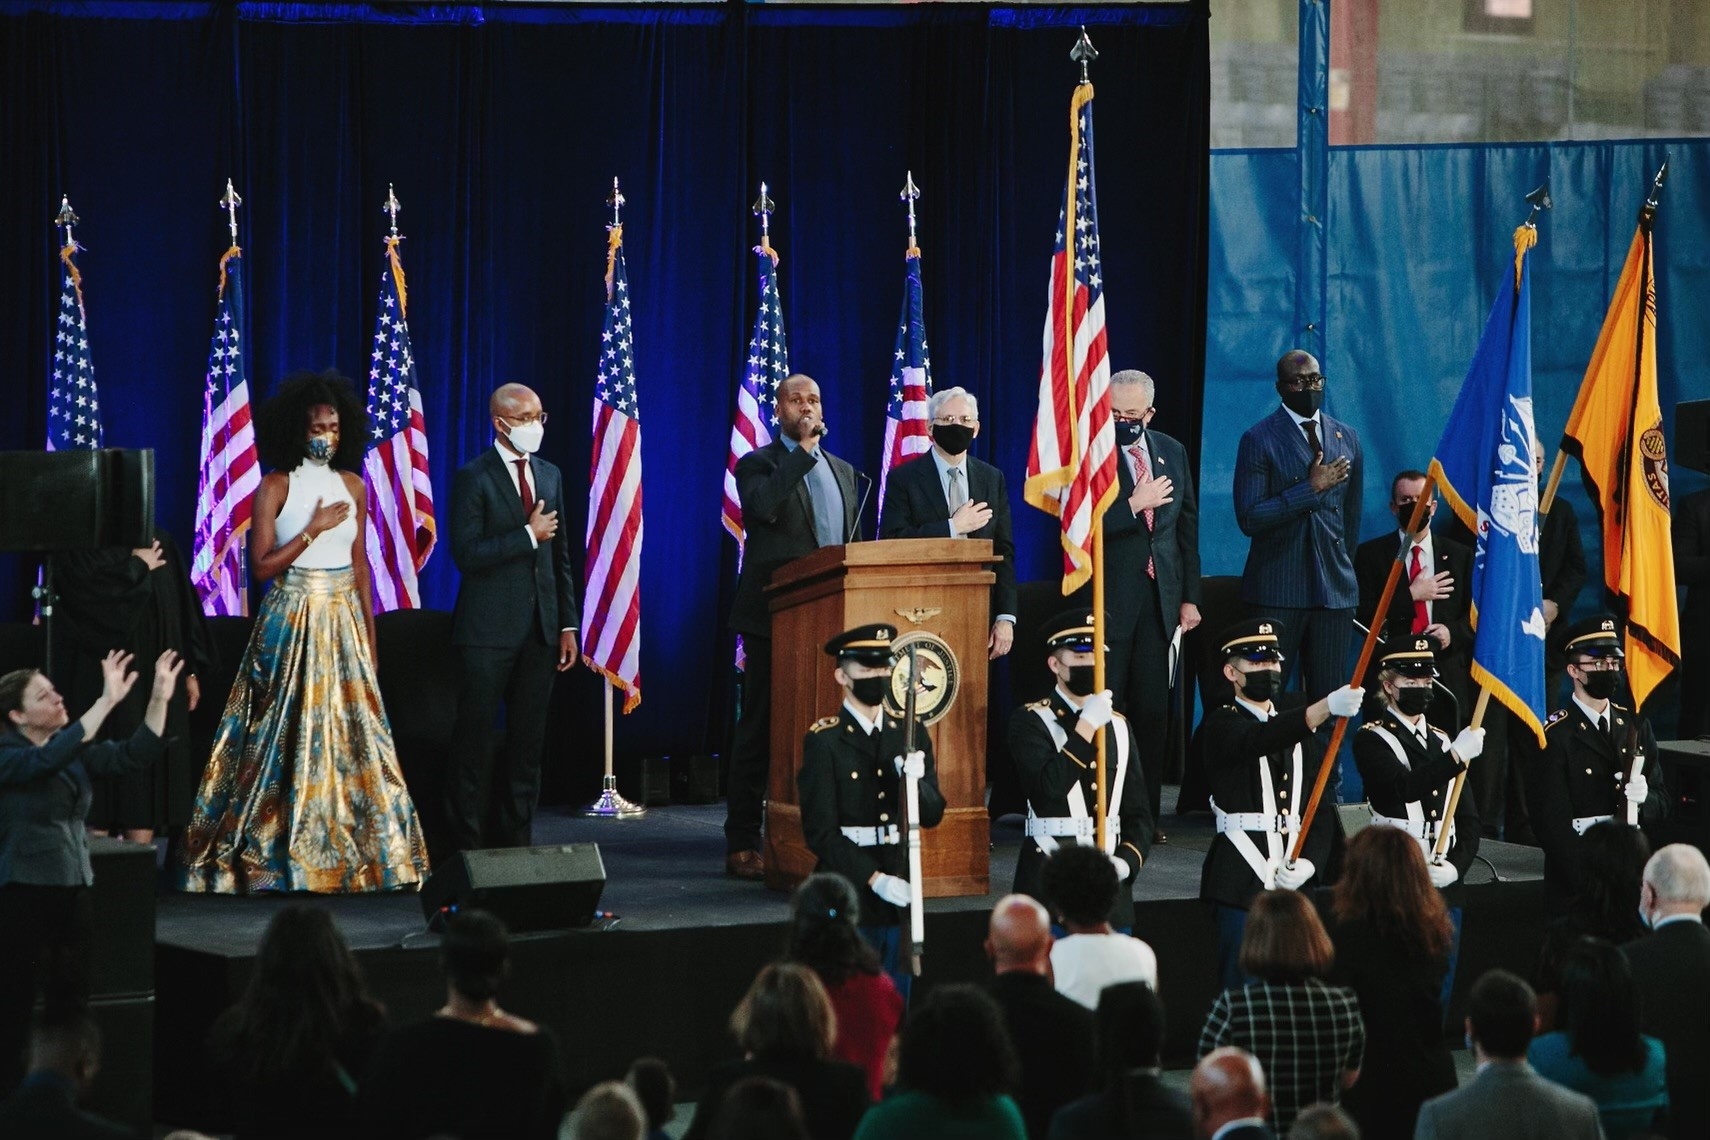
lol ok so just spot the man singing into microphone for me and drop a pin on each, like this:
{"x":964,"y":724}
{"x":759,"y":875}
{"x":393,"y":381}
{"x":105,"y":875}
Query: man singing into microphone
{"x":796,"y":497}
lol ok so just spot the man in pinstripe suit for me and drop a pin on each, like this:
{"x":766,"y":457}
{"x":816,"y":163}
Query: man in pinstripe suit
{"x":1297,"y":496}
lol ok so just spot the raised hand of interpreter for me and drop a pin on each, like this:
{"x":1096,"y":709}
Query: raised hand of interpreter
{"x":542,"y":522}
{"x":167,"y":667}
{"x":116,"y":677}
{"x":1324,"y":476}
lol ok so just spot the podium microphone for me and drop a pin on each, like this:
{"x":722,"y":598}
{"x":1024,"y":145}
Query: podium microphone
{"x":860,"y":506}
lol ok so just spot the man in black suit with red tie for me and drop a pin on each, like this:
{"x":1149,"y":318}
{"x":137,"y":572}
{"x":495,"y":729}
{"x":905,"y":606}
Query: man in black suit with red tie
{"x":515,"y":622}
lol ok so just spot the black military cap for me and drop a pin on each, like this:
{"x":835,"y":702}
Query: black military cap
{"x":1255,"y":639}
{"x":1071,"y":629}
{"x":1412,"y":657}
{"x":1596,"y":636}
{"x":868,"y":644}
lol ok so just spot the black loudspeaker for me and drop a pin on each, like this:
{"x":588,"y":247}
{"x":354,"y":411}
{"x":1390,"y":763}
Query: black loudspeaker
{"x":645,"y":779}
{"x":530,"y":888}
{"x":694,"y":779}
{"x":1686,"y":771}
{"x":1692,"y":435}
{"x":76,"y":500}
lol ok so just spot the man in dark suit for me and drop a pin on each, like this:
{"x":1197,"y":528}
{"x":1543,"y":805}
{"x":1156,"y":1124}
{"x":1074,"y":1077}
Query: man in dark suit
{"x":1430,"y":597}
{"x":1053,"y":1034}
{"x":947,"y":493}
{"x":1691,"y":532}
{"x":1135,"y":1100}
{"x":65,"y":1054}
{"x":1671,"y":967}
{"x":1229,"y":1098}
{"x":1298,"y":475}
{"x":515,"y":622}
{"x":796,"y":497}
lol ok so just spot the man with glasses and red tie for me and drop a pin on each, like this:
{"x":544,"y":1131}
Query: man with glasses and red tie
{"x":1298,"y":475}
{"x":514,"y":625}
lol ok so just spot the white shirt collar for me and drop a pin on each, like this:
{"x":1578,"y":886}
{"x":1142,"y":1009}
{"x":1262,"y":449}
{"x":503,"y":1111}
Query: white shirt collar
{"x":1069,"y":698}
{"x":867,"y":726}
{"x":944,"y":465}
{"x":509,"y":457}
{"x":1300,"y":421}
{"x":1423,"y":542}
{"x":1259,"y":711}
{"x":1672,"y":918}
{"x":1591,"y":712}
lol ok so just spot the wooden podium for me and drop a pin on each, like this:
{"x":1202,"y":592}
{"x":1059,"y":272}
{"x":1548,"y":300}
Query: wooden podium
{"x":941,"y":585}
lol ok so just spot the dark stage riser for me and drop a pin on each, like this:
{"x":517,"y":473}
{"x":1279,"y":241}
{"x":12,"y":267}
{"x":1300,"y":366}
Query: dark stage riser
{"x":615,"y":996}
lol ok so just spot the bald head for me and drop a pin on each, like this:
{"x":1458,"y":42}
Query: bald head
{"x":1296,"y":362}
{"x":1018,"y":939}
{"x":512,"y":400}
{"x":1228,"y":1084}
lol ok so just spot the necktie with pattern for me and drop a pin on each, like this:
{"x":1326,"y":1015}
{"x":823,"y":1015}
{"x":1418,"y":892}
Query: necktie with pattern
{"x":1141,"y":474}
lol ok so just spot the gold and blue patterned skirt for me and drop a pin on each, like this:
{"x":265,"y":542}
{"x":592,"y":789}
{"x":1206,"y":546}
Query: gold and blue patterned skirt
{"x":303,"y":791}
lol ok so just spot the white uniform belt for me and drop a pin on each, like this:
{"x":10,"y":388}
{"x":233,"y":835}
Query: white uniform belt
{"x":1582,"y":823}
{"x":1228,"y":821}
{"x":1081,"y":828}
{"x":871,"y":836}
{"x":1419,"y":829}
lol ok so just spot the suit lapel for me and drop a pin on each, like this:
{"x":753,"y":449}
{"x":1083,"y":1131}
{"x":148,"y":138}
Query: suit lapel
{"x":503,"y":487}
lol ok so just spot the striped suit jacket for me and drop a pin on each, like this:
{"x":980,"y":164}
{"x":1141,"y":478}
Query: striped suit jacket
{"x":1302,"y":553}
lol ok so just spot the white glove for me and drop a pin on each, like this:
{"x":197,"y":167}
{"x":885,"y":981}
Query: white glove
{"x":914,"y":766}
{"x":893,"y":890}
{"x":1292,"y":878}
{"x":1442,"y":873}
{"x":1095,"y":710}
{"x":1637,"y":789}
{"x":1122,"y":868}
{"x":1469,"y":744}
{"x":1346,"y":701}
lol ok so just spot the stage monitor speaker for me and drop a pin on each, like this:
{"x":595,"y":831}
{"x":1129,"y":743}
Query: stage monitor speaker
{"x":1686,"y":772}
{"x":530,"y":888}
{"x":694,"y":779}
{"x":1692,"y":435}
{"x":76,"y":500}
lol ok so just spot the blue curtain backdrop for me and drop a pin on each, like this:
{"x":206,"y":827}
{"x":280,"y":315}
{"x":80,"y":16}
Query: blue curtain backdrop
{"x":502,"y":129}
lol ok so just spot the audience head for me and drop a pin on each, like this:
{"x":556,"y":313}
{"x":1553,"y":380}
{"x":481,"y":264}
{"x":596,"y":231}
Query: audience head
{"x":1018,"y":937}
{"x":955,"y":1046}
{"x":475,"y":954}
{"x":1404,"y":492}
{"x":1676,"y":882}
{"x":1252,"y":658}
{"x":1612,"y":859}
{"x":1385,"y":884}
{"x":1502,"y":1015}
{"x":1324,"y":1122}
{"x":608,"y":1111}
{"x":1227,"y":1084}
{"x":1081,"y":884}
{"x":650,"y":1080}
{"x":67,"y":1043}
{"x":1599,"y":1008}
{"x":30,"y":704}
{"x":311,"y":410}
{"x":1068,"y":648}
{"x":785,"y":1013}
{"x":824,"y":935}
{"x":1130,"y":1028}
{"x":1300,"y":382}
{"x":306,"y":994}
{"x":1285,"y":942}
{"x":759,"y":1108}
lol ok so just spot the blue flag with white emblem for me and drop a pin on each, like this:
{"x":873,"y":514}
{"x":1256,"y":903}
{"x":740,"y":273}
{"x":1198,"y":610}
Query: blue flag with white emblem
{"x":1485,"y":467}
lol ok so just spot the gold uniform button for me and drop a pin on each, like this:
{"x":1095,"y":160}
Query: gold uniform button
{"x":1434,"y":791}
{"x":854,"y":775}
{"x":1588,"y":771}
{"x":881,"y":795}
{"x":1433,"y":815}
{"x":883,"y":817}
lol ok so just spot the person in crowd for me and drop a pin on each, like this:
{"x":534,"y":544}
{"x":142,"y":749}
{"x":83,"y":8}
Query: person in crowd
{"x":1093,"y":954}
{"x":796,"y":497}
{"x":956,"y":1068}
{"x":948,"y":493}
{"x":1053,"y":744}
{"x":1298,"y":476}
{"x":1328,"y":1122}
{"x":1585,"y":772}
{"x":1671,"y":968}
{"x":303,"y":791}
{"x":608,"y":1111}
{"x":1052,"y":1035}
{"x":515,"y":623}
{"x":1228,"y":1095}
{"x":1429,"y":600}
{"x":494,"y":1075}
{"x":650,"y":1080}
{"x":47,"y":762}
{"x":785,"y":1026}
{"x":139,"y":602}
{"x":1612,"y":860}
{"x":760,"y":1108}
{"x":1151,"y":571}
{"x":305,"y":1023}
{"x":1134,"y":1104}
{"x":1392,"y":936}
{"x":1690,"y":527}
{"x":1506,"y":1100}
{"x":824,"y":938}
{"x":1260,"y":761}
{"x":65,"y":1055}
{"x":852,"y":786}
{"x":1597,"y":1048}
{"x":1308,"y":1034}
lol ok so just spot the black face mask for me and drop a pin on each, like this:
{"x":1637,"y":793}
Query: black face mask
{"x":1261,"y":685}
{"x":1412,"y":702}
{"x":869,"y":691}
{"x":1303,"y":404}
{"x":1128,"y":432}
{"x":1600,"y":686}
{"x":1080,"y":680}
{"x":953,"y":438}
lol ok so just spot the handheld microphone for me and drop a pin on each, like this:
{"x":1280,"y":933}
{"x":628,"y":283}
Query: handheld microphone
{"x":821,"y":429}
{"x":860,"y":506}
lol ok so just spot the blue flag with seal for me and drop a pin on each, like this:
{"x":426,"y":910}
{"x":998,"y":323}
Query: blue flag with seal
{"x":1485,"y":466}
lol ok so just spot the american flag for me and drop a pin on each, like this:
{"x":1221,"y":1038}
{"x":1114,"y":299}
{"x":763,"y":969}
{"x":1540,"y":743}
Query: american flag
{"x":611,"y":631}
{"x":757,"y":399}
{"x":74,"y":409}
{"x":1071,"y":467}
{"x":907,"y":427}
{"x":230,"y":469}
{"x":401,"y":528}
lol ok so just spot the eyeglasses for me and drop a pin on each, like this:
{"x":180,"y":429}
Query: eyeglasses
{"x":1310,"y":382}
{"x":1599,"y":665}
{"x":965,"y":421}
{"x":1125,"y":418}
{"x":528,"y":419}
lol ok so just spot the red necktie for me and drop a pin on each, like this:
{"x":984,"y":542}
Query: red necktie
{"x":523,"y":487}
{"x":1421,"y":615}
{"x":1141,"y":474}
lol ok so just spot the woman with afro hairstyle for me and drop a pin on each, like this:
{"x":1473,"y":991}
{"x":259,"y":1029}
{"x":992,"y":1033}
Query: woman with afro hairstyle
{"x":303,"y":791}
